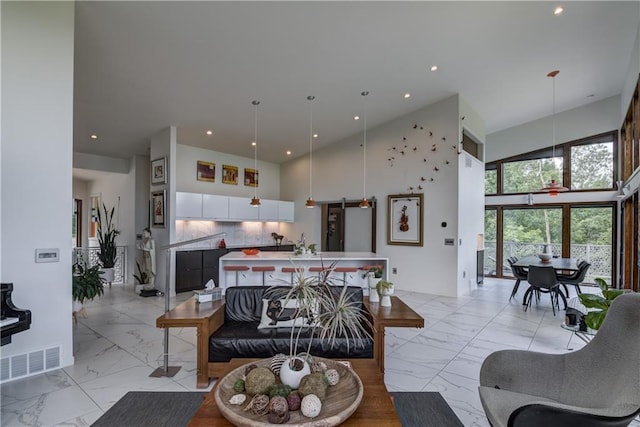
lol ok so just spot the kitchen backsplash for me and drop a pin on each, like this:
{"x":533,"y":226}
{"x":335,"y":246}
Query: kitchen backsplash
{"x":238,"y":233}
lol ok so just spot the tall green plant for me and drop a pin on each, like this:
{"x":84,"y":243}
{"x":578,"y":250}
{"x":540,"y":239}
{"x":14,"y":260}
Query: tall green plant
{"x":107,"y":234}
{"x":594,"y":319}
{"x":142,"y":277}
{"x":86,"y":282}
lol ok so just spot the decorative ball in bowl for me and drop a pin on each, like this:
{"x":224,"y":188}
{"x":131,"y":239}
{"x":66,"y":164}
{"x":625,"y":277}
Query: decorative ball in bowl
{"x":251,"y":251}
{"x":545,"y":257}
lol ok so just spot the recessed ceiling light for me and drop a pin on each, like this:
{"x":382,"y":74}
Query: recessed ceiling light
{"x":407,"y":95}
{"x":315,"y":135}
{"x":93,"y":136}
{"x":434,"y":68}
{"x":558,"y":10}
{"x":356,"y":117}
{"x":288,"y":152}
{"x":209,"y":132}
{"x":253,"y":143}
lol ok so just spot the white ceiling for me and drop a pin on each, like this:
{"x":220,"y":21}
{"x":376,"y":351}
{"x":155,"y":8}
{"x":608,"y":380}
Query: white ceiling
{"x":142,"y":66}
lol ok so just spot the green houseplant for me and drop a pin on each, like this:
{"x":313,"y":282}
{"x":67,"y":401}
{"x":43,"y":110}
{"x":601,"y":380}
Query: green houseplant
{"x":87,"y":283}
{"x":594,"y":318}
{"x":107,"y":234}
{"x":142,"y":277}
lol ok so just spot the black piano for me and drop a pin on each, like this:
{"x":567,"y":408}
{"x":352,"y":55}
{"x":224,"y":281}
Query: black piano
{"x":13,"y":319}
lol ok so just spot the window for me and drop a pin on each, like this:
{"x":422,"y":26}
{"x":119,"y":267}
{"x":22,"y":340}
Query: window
{"x":528,"y":176}
{"x":525,"y":231}
{"x":591,"y":239}
{"x":491,"y":181}
{"x":490,"y":233}
{"x":592,"y":166}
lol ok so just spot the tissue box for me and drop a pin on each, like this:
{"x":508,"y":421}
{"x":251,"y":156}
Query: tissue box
{"x":206,"y":295}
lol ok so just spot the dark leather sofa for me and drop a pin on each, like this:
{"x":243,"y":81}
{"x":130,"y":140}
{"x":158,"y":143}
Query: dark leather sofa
{"x":239,"y":336}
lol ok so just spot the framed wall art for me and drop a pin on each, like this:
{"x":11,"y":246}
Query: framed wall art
{"x":206,"y":171}
{"x":229,"y":174}
{"x":158,"y":209}
{"x":251,"y":177}
{"x":159,"y":171}
{"x":404,"y":216}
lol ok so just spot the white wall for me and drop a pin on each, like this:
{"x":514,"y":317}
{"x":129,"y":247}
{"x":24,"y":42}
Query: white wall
{"x":338,"y":173}
{"x":163,"y":144}
{"x":632,"y":78}
{"x":37,"y":132}
{"x":592,"y":119}
{"x":186,"y":161}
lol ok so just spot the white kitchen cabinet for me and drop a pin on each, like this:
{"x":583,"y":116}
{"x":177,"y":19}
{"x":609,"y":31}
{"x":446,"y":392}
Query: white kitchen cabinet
{"x":285,"y":211}
{"x":268,"y":210}
{"x":188,"y":205}
{"x":215,"y":207}
{"x":240,"y":209}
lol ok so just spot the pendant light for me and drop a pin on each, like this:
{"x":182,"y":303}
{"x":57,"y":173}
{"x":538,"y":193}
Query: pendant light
{"x":553,"y":188}
{"x":255,"y":201}
{"x":310,"y":202}
{"x":364,"y":203}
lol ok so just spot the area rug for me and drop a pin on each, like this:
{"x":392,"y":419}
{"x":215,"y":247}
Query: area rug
{"x":424,"y":409}
{"x":153,"y":409}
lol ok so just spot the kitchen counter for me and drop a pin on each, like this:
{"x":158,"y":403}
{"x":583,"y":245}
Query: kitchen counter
{"x":288,"y":259}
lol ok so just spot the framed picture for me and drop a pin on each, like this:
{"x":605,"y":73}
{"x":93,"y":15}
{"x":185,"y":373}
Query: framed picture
{"x":404,"y":216}
{"x":158,"y":209}
{"x":159,"y":171}
{"x":206,"y":171}
{"x":251,"y":177}
{"x":229,"y":174}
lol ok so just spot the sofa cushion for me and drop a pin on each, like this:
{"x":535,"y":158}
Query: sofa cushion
{"x":279,"y":313}
{"x":245,"y":340}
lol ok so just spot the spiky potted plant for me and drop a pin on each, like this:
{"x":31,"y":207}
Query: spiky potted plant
{"x":330,"y":313}
{"x":107,"y":234}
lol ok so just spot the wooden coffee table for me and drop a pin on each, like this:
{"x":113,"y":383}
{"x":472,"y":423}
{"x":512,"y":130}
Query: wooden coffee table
{"x":376,"y":408}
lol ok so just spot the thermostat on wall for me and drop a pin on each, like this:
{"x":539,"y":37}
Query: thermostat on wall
{"x":47,"y":255}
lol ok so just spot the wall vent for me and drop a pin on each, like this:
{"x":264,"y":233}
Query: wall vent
{"x":467,"y":162}
{"x":27,"y":364}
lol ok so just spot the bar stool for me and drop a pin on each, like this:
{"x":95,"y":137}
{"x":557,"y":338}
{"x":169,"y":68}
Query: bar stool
{"x":236,"y":268}
{"x":344,"y":271}
{"x":292,"y":270}
{"x":366,"y":268}
{"x":263,"y":269}
{"x":319,"y":270}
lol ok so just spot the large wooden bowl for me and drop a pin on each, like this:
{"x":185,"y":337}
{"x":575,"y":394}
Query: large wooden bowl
{"x":342,"y":399}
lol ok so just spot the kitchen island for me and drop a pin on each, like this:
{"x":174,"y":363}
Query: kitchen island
{"x":280,"y":260}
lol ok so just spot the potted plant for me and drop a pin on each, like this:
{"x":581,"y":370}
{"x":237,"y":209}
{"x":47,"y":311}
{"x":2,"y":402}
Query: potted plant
{"x":373,"y":276}
{"x":87,"y":284}
{"x":330,"y":314}
{"x":107,"y":234}
{"x":384,"y":289}
{"x":142,"y":277}
{"x":601,"y":304}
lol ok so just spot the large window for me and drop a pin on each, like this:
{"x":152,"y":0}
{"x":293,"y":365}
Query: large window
{"x":490,"y":234}
{"x":592,"y":239}
{"x":586,"y":164}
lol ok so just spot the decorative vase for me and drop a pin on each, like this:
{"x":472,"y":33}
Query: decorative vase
{"x":373,"y":283}
{"x":108,"y":274}
{"x":292,"y":377}
{"x":386,"y":297}
{"x":76,"y":306}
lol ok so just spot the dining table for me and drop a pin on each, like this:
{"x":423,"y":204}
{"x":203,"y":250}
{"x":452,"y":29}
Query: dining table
{"x":559,"y":264}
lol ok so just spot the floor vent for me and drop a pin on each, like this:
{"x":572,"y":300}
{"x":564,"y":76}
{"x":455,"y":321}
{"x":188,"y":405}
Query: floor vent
{"x":32,"y":363}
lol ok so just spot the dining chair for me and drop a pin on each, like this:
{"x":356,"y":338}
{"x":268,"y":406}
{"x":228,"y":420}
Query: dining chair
{"x":543,"y":280}
{"x":574,"y":279}
{"x":519,"y":273}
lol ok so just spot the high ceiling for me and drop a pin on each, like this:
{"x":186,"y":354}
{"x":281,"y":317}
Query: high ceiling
{"x":142,"y":66}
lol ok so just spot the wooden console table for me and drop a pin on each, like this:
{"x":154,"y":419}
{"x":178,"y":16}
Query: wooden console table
{"x":376,"y":408}
{"x":206,"y":317}
{"x":399,"y":315}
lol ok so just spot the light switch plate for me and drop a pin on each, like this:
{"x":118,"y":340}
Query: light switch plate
{"x":48,"y":255}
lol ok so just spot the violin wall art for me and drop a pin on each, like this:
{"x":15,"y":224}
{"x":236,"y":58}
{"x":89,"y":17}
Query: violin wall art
{"x":405,"y":219}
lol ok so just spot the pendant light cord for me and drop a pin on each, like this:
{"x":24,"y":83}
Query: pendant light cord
{"x":364,"y":146}
{"x":255,"y":149}
{"x":310,"y":99}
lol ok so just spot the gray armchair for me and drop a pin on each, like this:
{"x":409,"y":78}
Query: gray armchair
{"x":598,"y":385}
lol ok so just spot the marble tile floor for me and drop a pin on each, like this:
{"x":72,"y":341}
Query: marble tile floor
{"x":117,"y":346}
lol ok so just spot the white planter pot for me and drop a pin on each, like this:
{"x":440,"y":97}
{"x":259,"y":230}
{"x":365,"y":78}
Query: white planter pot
{"x":290,"y":377}
{"x":373,"y":282}
{"x":386,"y":297}
{"x":108,"y":274}
{"x":76,"y":306}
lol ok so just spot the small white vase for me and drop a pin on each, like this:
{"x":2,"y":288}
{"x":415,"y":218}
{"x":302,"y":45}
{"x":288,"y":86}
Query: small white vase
{"x":386,"y":297}
{"x":76,"y":307}
{"x":290,"y":377}
{"x":373,"y":283}
{"x":108,"y":274}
